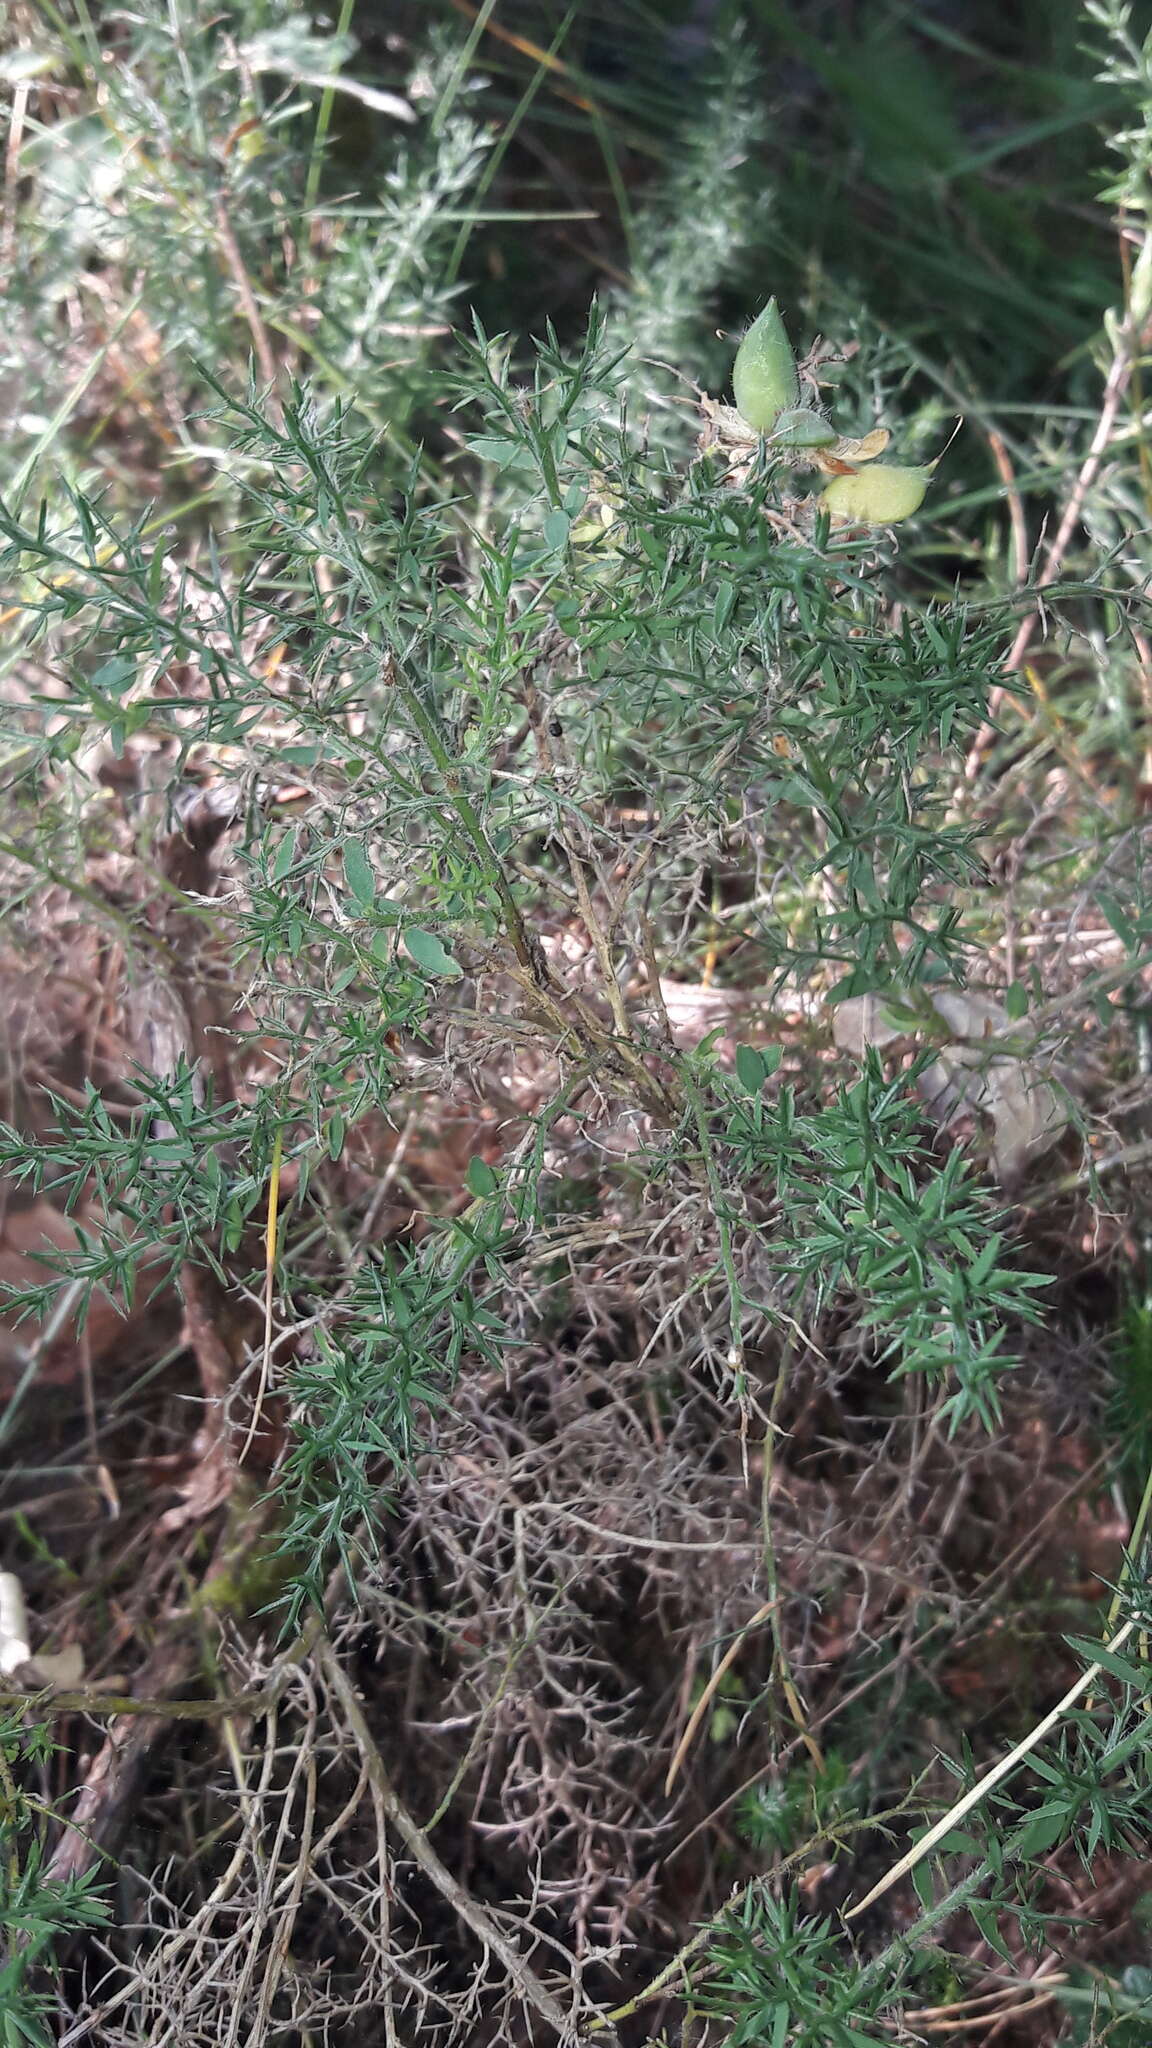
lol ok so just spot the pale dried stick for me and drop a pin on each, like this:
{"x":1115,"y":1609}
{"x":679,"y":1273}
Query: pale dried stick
{"x":1129,"y":338}
{"x":983,"y":1786}
{"x":710,"y":1691}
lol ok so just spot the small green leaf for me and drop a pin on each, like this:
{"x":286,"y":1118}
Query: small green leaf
{"x":115,"y":676}
{"x":360,"y":875}
{"x":336,"y":1129}
{"x":425,"y":950}
{"x":557,"y":526}
{"x":984,"y":1914}
{"x":1121,"y":924}
{"x":1016,"y":1001}
{"x":1041,"y":1832}
{"x":1137,"y":1675}
{"x":492,"y":448}
{"x":482,"y":1182}
{"x":957,"y":1843}
{"x":750,"y":1068}
{"x":723,"y":606}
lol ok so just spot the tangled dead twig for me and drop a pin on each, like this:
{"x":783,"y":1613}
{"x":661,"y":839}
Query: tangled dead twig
{"x":568,"y":2024}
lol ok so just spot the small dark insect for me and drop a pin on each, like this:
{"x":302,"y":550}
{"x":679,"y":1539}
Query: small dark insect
{"x":555,"y":728}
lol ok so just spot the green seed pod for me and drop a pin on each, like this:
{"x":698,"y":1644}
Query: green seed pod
{"x":764,"y":379}
{"x":800,"y":427}
{"x":880,"y":495}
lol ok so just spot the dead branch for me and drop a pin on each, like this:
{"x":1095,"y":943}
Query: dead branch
{"x":474,"y":1916}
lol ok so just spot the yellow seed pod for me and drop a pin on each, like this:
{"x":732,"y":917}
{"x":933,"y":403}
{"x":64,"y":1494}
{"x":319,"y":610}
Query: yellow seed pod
{"x":880,"y":495}
{"x":764,"y":378}
{"x":252,"y":144}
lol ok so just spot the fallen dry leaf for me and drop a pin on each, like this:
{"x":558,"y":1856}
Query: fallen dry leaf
{"x":54,"y":1670}
{"x":1027,"y":1111}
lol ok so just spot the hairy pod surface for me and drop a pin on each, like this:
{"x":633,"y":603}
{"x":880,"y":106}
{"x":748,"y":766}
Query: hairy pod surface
{"x":880,"y":495}
{"x":764,"y":378}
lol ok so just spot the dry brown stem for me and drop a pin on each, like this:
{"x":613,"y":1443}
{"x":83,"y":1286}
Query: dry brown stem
{"x":103,"y":1812}
{"x":521,"y":1974}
